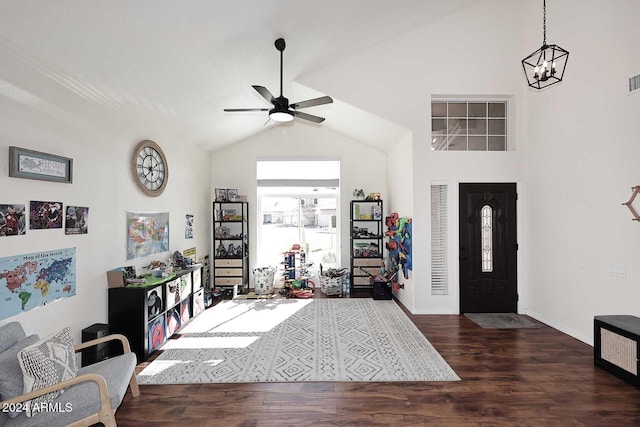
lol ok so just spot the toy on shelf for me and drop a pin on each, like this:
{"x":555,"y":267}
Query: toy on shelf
{"x":179,"y":262}
{"x":296,"y":275}
{"x":130,"y":276}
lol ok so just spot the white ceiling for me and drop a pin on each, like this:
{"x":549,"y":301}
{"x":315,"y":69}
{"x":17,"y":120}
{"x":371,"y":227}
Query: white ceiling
{"x":165,"y":69}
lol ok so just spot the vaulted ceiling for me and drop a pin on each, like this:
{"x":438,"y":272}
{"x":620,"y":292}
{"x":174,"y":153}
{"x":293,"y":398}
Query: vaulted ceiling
{"x":165,"y":69}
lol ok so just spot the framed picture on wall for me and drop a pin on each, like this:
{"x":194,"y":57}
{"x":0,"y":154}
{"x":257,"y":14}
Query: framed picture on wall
{"x":31,"y":164}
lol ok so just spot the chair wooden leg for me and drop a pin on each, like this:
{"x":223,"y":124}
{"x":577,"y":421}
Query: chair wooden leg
{"x":133,"y":385}
{"x":107,"y":418}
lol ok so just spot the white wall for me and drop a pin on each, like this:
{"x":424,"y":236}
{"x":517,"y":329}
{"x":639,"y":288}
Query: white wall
{"x":360,"y":167}
{"x":401,"y":188}
{"x":464,"y":54}
{"x":582,"y":160}
{"x":101,"y":181}
{"x":576,"y":150}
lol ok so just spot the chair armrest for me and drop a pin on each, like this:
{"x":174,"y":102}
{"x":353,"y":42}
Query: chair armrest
{"x":119,"y":337}
{"x":98,"y":379}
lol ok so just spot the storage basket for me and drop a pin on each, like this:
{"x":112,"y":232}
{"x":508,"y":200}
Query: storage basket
{"x":331,"y":286}
{"x":263,"y":278}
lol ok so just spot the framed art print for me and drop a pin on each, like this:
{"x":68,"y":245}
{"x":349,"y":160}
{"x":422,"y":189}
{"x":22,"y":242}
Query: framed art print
{"x":31,"y":164}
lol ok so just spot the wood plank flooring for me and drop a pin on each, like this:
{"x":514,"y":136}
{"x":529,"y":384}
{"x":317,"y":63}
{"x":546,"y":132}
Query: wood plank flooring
{"x":520,"y":377}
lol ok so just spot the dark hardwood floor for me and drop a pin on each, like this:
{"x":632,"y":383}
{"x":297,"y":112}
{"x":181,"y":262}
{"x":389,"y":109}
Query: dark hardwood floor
{"x":519,"y":377}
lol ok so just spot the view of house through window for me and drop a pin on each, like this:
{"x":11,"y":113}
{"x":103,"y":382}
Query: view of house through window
{"x":298,"y":204}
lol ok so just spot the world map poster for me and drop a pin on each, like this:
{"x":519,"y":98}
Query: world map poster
{"x":147,"y":233}
{"x":32,"y":280}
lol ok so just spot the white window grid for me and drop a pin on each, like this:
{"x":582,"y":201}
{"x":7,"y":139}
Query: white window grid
{"x":469,"y":125}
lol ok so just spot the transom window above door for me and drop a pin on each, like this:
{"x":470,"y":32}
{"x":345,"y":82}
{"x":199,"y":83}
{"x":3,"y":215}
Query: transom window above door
{"x":469,"y":125}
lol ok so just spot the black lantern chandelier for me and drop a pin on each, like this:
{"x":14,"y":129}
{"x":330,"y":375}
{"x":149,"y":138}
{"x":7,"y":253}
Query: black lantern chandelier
{"x":545,"y":66}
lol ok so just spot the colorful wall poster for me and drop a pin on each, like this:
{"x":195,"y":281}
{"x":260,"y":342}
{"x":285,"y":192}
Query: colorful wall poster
{"x":76,"y":220}
{"x":147,"y":233}
{"x":188,"y":227}
{"x":44,"y":215}
{"x":32,"y":280}
{"x":12,"y":220}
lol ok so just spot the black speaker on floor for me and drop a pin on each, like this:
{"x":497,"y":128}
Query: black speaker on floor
{"x":98,"y":352}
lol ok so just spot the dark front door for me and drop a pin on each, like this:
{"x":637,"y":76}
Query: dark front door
{"x":488,"y":248}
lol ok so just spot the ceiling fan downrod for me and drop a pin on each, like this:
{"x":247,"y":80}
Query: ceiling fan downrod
{"x":281,"y":45}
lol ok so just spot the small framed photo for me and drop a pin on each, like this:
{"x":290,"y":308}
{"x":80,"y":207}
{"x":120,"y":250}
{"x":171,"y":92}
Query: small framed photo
{"x":221,"y":195}
{"x":232,"y":194}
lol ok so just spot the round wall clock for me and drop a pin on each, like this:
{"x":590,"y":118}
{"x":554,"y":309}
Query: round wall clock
{"x":149,"y":167}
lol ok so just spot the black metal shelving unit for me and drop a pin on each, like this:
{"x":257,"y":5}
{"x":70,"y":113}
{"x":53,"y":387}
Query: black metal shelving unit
{"x":231,"y":247}
{"x":366,"y":243}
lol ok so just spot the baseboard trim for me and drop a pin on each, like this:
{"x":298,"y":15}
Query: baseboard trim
{"x":560,"y":327}
{"x":434,"y":311}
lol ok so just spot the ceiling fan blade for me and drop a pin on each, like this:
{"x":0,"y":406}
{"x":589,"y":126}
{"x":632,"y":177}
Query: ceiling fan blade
{"x":312,"y":102}
{"x":310,"y":117}
{"x":235,"y":110}
{"x":264,"y":92}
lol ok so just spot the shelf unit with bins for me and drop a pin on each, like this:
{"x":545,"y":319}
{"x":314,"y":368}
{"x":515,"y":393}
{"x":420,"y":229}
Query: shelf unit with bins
{"x":149,"y":313}
{"x":366,"y":241}
{"x":231,"y":247}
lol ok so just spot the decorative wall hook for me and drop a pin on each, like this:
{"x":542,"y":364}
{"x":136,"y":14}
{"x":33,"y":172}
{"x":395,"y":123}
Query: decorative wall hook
{"x":629,"y":204}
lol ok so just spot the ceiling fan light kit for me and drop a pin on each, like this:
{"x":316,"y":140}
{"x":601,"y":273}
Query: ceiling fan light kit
{"x":282,"y":111}
{"x":280,"y":116}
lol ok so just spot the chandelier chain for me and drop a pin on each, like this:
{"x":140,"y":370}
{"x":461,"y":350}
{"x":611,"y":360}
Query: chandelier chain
{"x":544,"y":22}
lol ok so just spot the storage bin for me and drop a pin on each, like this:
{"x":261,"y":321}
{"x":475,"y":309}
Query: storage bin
{"x":332,"y":286}
{"x":381,"y":289}
{"x":263,"y":278}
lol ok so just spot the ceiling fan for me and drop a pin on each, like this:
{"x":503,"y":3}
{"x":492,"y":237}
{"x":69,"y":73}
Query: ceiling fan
{"x":282,"y":111}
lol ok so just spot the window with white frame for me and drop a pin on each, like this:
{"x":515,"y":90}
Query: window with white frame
{"x":473,"y":125}
{"x":298,"y":203}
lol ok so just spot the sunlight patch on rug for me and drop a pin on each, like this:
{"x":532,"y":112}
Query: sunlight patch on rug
{"x":299,"y":340}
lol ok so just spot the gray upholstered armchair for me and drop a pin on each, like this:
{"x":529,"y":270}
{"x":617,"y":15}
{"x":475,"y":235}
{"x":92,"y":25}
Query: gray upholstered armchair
{"x":91,"y":396}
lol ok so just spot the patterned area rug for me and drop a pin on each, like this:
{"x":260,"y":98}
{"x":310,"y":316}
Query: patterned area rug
{"x":299,"y":340}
